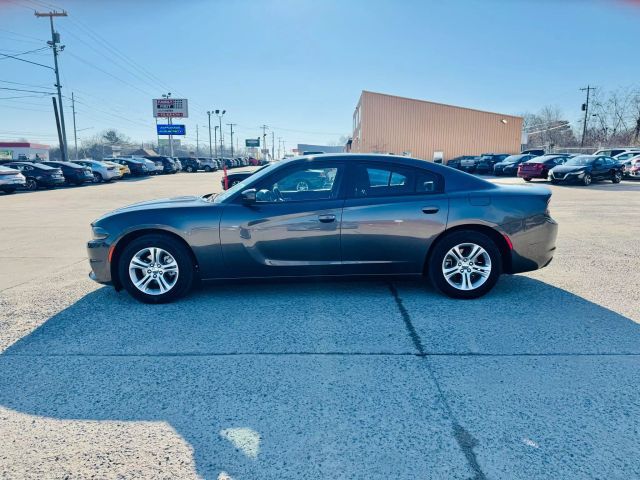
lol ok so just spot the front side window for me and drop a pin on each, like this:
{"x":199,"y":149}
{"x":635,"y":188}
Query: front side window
{"x":300,"y":184}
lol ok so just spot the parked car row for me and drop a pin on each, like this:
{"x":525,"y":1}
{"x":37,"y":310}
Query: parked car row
{"x":606,"y":164}
{"x":32,"y":175}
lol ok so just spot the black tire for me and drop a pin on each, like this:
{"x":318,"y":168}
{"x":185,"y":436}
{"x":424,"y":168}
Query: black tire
{"x":586,"y":180}
{"x":97,"y":178}
{"x":436,"y":260}
{"x":31,"y":185}
{"x":207,"y":168}
{"x":617,"y":177}
{"x":554,"y":182}
{"x":181,"y":254}
{"x":526,"y":179}
{"x":189,"y":169}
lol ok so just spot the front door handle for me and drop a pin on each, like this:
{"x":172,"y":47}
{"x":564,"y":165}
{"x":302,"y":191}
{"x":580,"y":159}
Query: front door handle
{"x":327,"y":218}
{"x":429,"y":210}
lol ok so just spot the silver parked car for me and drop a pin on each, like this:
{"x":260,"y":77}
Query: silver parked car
{"x":330,"y":215}
{"x":11,"y":179}
{"x":102,"y":172}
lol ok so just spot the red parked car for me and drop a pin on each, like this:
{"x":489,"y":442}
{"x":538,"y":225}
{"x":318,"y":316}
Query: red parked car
{"x":539,"y":167}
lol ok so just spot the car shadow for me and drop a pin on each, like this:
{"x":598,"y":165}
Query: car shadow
{"x":282,"y":379}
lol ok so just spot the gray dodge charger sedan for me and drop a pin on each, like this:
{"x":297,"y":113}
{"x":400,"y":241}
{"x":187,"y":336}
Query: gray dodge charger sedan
{"x":330,"y":215}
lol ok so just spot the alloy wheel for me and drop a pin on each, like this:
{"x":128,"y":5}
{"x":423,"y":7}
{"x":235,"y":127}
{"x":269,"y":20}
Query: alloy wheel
{"x":31,"y":184}
{"x":466,"y":266}
{"x":587,"y":179}
{"x":153,"y":271}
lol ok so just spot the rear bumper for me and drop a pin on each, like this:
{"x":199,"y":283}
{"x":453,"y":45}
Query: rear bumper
{"x":50,"y":181}
{"x":98,"y":252}
{"x":534,"y":243}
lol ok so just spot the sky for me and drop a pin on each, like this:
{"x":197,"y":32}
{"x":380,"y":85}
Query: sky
{"x":299,"y":66}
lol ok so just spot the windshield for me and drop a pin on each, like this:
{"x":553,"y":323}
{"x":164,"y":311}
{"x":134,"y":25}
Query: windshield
{"x":580,"y":160}
{"x":238,"y":187}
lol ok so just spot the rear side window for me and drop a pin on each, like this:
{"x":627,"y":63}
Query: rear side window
{"x":383,"y":180}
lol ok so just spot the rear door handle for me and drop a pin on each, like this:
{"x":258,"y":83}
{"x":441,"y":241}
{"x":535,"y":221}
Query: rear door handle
{"x":327,"y":218}
{"x":429,"y":210}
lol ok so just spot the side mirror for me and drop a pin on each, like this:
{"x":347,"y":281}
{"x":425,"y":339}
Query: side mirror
{"x":249,"y":196}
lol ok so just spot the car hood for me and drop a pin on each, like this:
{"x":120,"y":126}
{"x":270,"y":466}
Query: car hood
{"x":569,"y":168}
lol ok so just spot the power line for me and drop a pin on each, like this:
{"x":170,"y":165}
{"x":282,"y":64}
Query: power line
{"x":23,"y":90}
{"x":23,"y":60}
{"x":23,"y":84}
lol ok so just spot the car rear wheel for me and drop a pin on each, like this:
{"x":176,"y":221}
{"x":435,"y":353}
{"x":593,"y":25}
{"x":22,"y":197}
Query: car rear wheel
{"x":97,"y":178}
{"x":586,"y":181}
{"x":207,"y":168}
{"x":156,"y":269}
{"x":31,"y":184}
{"x":465,"y":264}
{"x":527,"y":179}
{"x":189,"y":169}
{"x":617,"y":177}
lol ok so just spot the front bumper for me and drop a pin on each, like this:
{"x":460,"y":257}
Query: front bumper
{"x":98,"y":253}
{"x":567,"y":178}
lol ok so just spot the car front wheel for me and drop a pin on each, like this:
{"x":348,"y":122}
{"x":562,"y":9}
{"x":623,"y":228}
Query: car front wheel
{"x":465,"y":264}
{"x":156,"y":268}
{"x":586,"y":180}
{"x":97,"y":178}
{"x":31,"y":184}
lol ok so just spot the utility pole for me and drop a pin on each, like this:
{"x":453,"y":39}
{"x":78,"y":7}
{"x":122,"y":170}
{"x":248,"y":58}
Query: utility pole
{"x":264,"y":137}
{"x":210,"y":153}
{"x":55,"y":112}
{"x":231,"y":125}
{"x":75,"y":132}
{"x":198,"y":142}
{"x":273,"y":145}
{"x":279,"y":143}
{"x":585,"y":107}
{"x":55,"y":40}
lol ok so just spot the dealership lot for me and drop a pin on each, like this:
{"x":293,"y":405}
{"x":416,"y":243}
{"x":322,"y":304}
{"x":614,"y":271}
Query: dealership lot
{"x":341,"y":379}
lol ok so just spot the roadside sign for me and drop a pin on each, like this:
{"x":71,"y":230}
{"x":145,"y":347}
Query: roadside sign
{"x":171,"y":129}
{"x":252,"y":142}
{"x":170,"y":108}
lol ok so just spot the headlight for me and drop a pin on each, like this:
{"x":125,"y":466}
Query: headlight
{"x":99,"y":233}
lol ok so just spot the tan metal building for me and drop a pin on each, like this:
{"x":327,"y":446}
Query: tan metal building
{"x":389,"y":124}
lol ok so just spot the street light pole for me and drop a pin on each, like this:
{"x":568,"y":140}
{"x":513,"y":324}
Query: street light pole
{"x":220,"y":114}
{"x":209,"y":115}
{"x":215,"y":139}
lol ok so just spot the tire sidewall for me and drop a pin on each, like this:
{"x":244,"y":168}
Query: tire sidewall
{"x":177,"y":250}
{"x":585,"y":182}
{"x":434,"y":266}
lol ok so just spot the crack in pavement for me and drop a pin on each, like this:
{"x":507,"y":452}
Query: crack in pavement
{"x":463,"y":438}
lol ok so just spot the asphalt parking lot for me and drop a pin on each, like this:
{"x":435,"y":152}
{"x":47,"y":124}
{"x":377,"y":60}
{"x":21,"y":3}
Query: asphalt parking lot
{"x":333,"y":379}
